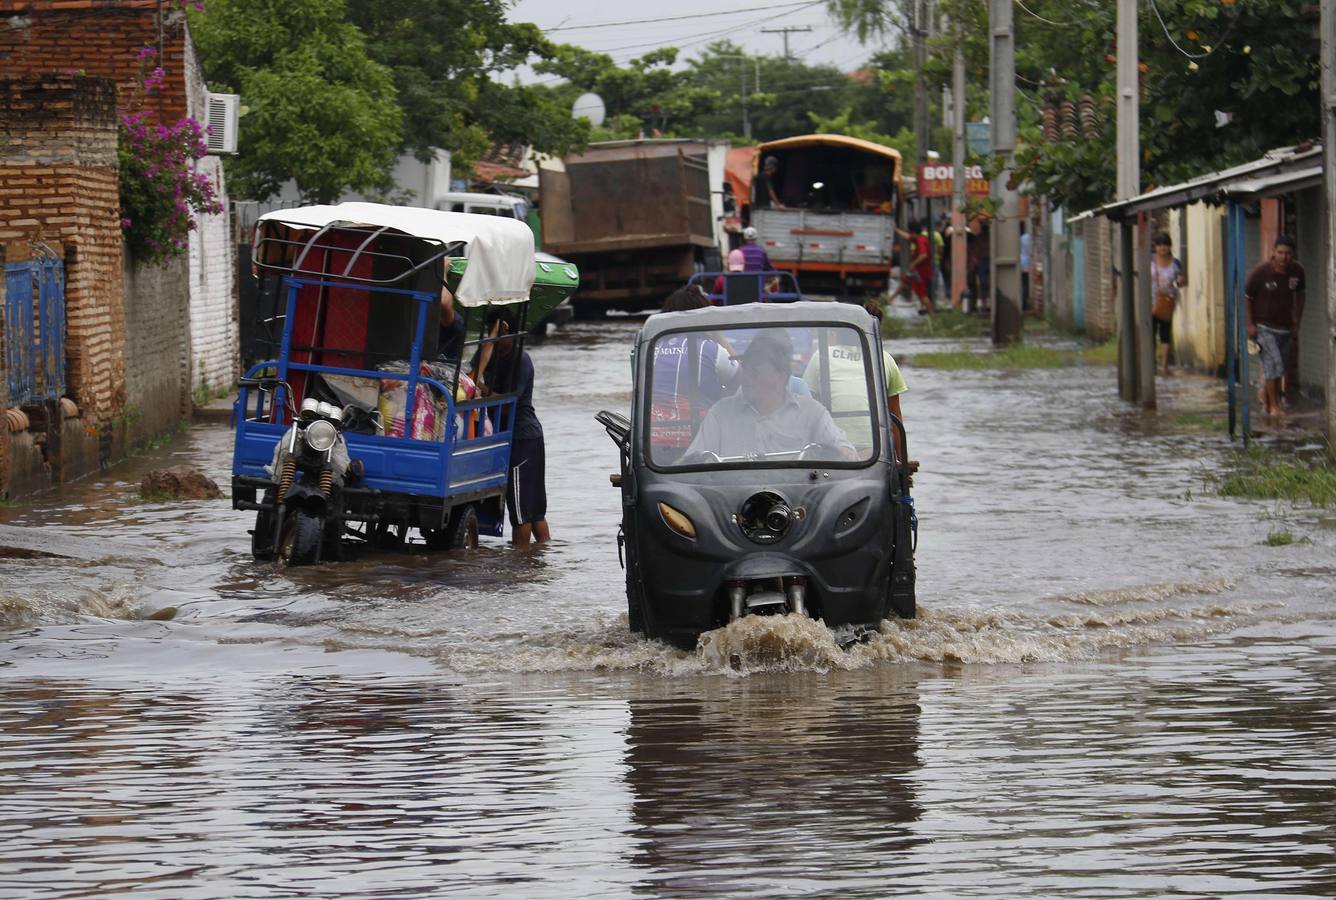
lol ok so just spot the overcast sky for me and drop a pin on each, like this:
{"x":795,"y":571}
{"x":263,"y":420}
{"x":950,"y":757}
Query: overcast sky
{"x":694,"y":24}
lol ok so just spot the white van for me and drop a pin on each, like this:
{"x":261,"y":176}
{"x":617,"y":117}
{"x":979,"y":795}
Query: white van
{"x":510,"y":206}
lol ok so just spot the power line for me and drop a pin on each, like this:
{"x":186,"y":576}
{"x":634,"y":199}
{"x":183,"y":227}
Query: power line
{"x":1022,"y":5}
{"x":1214,"y":47}
{"x":731,"y":12}
{"x":687,"y":40}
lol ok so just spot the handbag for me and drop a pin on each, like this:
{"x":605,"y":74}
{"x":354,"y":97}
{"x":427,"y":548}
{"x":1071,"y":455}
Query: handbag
{"x":1164,"y":306}
{"x":1163,"y":309}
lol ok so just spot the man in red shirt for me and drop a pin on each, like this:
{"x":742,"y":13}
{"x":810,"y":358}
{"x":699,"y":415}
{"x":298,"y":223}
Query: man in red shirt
{"x":920,"y":266}
{"x":1274,"y":299}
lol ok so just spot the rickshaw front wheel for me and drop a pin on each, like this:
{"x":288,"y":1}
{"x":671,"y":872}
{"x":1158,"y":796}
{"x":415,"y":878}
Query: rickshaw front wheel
{"x":299,"y":545}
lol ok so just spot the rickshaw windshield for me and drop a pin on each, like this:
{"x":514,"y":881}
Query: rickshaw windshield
{"x":761,"y":396}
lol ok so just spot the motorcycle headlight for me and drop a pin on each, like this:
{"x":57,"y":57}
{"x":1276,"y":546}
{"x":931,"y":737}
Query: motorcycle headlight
{"x":321,"y":435}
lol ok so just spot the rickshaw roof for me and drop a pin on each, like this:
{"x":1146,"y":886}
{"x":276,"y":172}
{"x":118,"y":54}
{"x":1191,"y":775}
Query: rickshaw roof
{"x":757,"y":315}
{"x":500,"y":251}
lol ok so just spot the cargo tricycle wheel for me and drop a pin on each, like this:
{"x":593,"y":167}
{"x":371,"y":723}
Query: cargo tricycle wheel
{"x":463,"y":529}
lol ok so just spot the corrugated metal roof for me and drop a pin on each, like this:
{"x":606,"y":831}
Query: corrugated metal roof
{"x":1272,"y":184}
{"x":1216,"y":186}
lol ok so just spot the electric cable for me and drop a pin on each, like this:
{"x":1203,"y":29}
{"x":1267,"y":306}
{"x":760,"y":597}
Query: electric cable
{"x":1214,"y":47}
{"x":730,"y":12}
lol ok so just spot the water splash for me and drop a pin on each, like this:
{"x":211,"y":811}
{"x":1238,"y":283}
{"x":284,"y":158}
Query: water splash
{"x":1149,"y":593}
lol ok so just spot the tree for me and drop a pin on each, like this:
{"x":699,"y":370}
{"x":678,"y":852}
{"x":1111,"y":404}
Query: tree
{"x":903,"y":140}
{"x":319,"y":110}
{"x":1197,"y":57}
{"x":778,"y":107}
{"x":444,"y":57}
{"x":644,"y":95}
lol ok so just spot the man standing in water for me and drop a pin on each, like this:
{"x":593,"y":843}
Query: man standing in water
{"x":526,"y":489}
{"x":1274,"y":298}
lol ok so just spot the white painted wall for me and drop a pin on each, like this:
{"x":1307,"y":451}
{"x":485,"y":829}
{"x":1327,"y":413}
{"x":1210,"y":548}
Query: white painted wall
{"x":214,"y":334}
{"x":422,"y":183}
{"x":1199,"y":317}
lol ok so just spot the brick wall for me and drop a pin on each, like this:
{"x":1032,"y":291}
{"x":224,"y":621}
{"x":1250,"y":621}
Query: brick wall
{"x":103,"y":37}
{"x":58,"y":181}
{"x":97,"y":38}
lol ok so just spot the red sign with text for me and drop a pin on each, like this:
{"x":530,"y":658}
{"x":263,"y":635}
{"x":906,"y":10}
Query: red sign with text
{"x":940,"y":181}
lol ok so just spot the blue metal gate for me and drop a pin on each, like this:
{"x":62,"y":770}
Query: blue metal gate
{"x":34,"y":328}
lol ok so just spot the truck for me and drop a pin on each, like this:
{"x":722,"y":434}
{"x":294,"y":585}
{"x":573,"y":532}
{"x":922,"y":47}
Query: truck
{"x":636,"y":217}
{"x":839,"y":199}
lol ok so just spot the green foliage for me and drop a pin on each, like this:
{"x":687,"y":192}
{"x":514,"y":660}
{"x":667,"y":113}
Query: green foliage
{"x":1015,"y":356}
{"x":320,"y":110}
{"x":647,"y":93}
{"x":1268,"y":475}
{"x":1279,"y":538}
{"x":841,"y":124}
{"x":945,"y":323}
{"x":1256,"y":60}
{"x":444,"y":57}
{"x":776,"y":92}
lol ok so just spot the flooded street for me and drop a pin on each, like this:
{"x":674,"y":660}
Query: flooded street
{"x":1115,"y":688}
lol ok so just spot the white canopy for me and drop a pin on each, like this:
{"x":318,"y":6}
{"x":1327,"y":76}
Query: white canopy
{"x":500,"y":251}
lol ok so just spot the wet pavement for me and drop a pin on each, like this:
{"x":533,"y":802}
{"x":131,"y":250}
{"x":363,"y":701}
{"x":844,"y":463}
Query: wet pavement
{"x":1115,"y":688}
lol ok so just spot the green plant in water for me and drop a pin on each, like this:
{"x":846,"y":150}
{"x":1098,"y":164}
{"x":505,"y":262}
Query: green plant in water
{"x":1198,"y":422}
{"x":1015,"y":356}
{"x":1279,"y":539}
{"x":162,"y":440}
{"x":155,"y":496}
{"x":1266,"y":475}
{"x":946,"y":323}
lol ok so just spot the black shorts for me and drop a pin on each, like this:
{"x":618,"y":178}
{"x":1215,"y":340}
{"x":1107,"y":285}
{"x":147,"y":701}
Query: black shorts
{"x":1164,"y":328}
{"x":526,"y":490}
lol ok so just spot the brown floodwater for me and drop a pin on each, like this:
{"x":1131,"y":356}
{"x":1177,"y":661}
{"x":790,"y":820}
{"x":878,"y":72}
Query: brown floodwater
{"x":1115,"y":687}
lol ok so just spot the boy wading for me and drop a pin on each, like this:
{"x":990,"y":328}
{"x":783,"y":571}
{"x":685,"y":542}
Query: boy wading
{"x":526,"y":492}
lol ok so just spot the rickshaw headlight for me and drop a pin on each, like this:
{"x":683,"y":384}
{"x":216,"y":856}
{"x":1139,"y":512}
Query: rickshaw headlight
{"x":677,"y":521}
{"x":321,"y":435}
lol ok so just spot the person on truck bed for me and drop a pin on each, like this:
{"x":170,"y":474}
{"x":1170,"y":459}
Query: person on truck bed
{"x":765,"y":185}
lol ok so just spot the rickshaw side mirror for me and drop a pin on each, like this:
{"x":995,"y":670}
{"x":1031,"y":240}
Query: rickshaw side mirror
{"x":618,"y":427}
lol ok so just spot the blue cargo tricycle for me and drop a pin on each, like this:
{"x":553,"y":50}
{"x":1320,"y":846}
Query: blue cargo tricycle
{"x":369,"y":425}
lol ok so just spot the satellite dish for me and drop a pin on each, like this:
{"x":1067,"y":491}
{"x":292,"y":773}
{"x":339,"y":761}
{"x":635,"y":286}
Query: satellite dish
{"x":589,"y":106}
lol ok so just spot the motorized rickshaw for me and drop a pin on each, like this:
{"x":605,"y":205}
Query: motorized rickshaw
{"x":358,"y":430}
{"x":762,"y":472}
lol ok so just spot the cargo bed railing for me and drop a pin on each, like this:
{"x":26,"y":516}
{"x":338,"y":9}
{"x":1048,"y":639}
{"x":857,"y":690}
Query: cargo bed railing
{"x":747,"y":287}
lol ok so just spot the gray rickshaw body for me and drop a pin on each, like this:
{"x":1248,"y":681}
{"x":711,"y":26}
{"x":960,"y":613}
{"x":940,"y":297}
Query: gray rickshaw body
{"x":849,"y":542}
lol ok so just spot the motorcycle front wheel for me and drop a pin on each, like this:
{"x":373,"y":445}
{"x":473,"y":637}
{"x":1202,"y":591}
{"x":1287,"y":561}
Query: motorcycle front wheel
{"x":299,"y":544}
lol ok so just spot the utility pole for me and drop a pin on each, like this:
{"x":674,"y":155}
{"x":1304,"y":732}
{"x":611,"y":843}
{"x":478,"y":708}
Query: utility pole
{"x":920,"y":34}
{"x":1131,"y":341}
{"x":786,"y":31}
{"x":958,"y":223}
{"x":742,"y":87}
{"x":1005,"y":238}
{"x":1328,"y":27}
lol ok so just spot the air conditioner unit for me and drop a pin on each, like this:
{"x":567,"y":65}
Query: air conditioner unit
{"x":221,"y":115}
